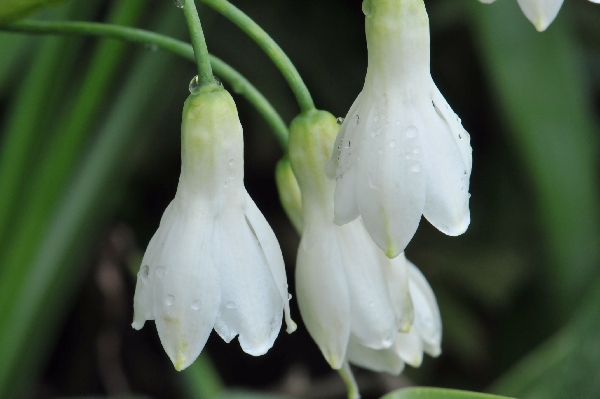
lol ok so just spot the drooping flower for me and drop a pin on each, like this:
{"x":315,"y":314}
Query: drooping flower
{"x":214,"y":260}
{"x":541,"y":13}
{"x":401,"y":151}
{"x":358,"y":305}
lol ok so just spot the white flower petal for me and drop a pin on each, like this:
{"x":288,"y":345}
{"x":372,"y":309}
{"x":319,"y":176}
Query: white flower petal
{"x":251,"y":304}
{"x":383,"y":360}
{"x":396,"y":272}
{"x":447,"y":201}
{"x":322,"y":291}
{"x":373,"y":319}
{"x":410,"y":347}
{"x":346,"y":208}
{"x":270,"y":247}
{"x":541,"y":13}
{"x":487,"y":1}
{"x":186,"y":291}
{"x":391,"y":180}
{"x":428,"y":322}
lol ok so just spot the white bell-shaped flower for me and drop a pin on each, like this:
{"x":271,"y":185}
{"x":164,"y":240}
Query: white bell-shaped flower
{"x":401,"y":151}
{"x":214,"y":260}
{"x":541,"y":13}
{"x":357,"y":304}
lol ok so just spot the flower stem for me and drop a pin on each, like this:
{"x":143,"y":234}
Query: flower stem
{"x":279,"y":58}
{"x":229,"y":75}
{"x":346,"y":374}
{"x":205,"y":75}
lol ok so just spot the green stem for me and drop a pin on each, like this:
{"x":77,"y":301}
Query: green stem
{"x":205,"y":76}
{"x":239,"y":84}
{"x":279,"y":58}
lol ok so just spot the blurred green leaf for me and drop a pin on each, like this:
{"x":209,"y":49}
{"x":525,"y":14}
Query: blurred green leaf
{"x":567,"y":365}
{"x":539,"y":84}
{"x":11,"y":10}
{"x":45,"y":285}
{"x":437,"y":393}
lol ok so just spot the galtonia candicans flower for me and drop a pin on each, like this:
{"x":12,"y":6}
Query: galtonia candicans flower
{"x":214,"y":261}
{"x":358,"y":305}
{"x":401,"y":151}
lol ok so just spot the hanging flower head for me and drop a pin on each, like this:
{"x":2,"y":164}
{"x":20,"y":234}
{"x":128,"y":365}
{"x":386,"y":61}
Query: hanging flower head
{"x":541,"y":13}
{"x":358,"y":305}
{"x":214,"y":261}
{"x":401,"y":152}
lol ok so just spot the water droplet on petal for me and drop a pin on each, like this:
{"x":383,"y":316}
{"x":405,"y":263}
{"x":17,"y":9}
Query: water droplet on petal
{"x":393,"y":144}
{"x":289,"y":297}
{"x":465,"y":173}
{"x":178,"y":3}
{"x":376,"y":118}
{"x":459,"y":136}
{"x":231,"y":162}
{"x":416,"y":167}
{"x":372,"y":184}
{"x":160,"y":271}
{"x":417,"y":150}
{"x":339,"y":121}
{"x":411,"y":132}
{"x":217,"y":81}
{"x":408,"y":156}
{"x":371,"y":304}
{"x":196,"y":304}
{"x":193,"y":87}
{"x":145,"y":271}
{"x":230,"y":305}
{"x":225,"y":185}
{"x":169,"y":300}
{"x":348,"y":145}
{"x":356,"y":120}
{"x":380,"y":151}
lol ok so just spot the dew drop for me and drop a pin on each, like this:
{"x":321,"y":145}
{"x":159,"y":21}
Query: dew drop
{"x":160,"y":272}
{"x":393,"y":144}
{"x":230,"y":305}
{"x":178,"y":3}
{"x":348,"y":145}
{"x":376,"y":118}
{"x":469,"y":195}
{"x":225,"y":185}
{"x":372,"y":184}
{"x":193,"y":87}
{"x":145,"y":271}
{"x":170,"y":300}
{"x":217,"y":81}
{"x":380,"y":151}
{"x":196,"y":304}
{"x":231,"y":162}
{"x":371,"y":304}
{"x":416,"y":167}
{"x":339,"y":121}
{"x":462,"y":189}
{"x":465,"y":172}
{"x":289,"y":297}
{"x":356,"y":120}
{"x":408,"y":156}
{"x":411,"y":132}
{"x":417,"y":150}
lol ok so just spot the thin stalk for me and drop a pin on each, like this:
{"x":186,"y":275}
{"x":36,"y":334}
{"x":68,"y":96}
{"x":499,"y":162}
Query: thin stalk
{"x":279,"y":58}
{"x":227,"y":74}
{"x":205,"y":76}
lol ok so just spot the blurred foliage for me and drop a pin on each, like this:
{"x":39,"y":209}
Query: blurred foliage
{"x":437,"y":393}
{"x":89,"y":159}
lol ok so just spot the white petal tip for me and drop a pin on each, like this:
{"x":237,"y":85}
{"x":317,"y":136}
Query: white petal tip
{"x":138,"y":324}
{"x":291,"y":326}
{"x":335,"y":361}
{"x":257,"y":350}
{"x":181,"y":359}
